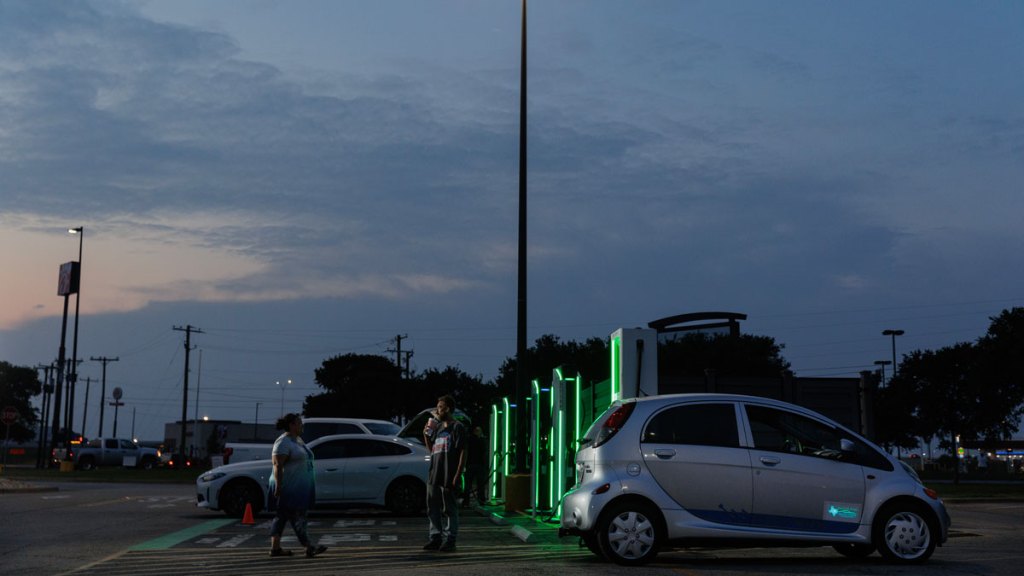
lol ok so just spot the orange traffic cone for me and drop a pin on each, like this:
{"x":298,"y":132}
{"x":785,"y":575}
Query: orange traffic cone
{"x":247,"y":517}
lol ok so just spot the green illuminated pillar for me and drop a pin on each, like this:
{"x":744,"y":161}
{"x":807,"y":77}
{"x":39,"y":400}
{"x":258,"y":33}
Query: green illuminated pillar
{"x":497,"y":479}
{"x":616,"y":377}
{"x":535,"y":426}
{"x":554,"y":446}
{"x":506,"y":437}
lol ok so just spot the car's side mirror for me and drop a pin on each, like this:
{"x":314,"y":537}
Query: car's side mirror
{"x":847,"y":445}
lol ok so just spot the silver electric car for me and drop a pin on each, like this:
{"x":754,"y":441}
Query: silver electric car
{"x":728,"y":470}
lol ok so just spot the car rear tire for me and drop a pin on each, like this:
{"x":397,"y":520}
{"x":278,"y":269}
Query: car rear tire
{"x":87,"y":463}
{"x":629,"y":533}
{"x":237,"y":494}
{"x":854,"y":550}
{"x":904,"y":533}
{"x":148,"y":463}
{"x":406,"y":496}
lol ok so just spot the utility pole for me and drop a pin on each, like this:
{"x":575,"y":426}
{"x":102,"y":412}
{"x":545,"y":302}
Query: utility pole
{"x":408,"y":373}
{"x":44,"y":421}
{"x":85,"y":403}
{"x":188,"y":330}
{"x":398,"y":349}
{"x":103,"y":389}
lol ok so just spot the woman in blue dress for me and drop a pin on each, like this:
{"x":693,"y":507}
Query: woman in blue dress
{"x":292,"y":486}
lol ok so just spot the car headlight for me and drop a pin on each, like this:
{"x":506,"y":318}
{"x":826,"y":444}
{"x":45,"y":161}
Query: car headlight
{"x":211,"y":476}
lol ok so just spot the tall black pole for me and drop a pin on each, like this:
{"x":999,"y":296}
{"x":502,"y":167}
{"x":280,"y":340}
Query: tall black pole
{"x":57,"y":416}
{"x":85,"y":403}
{"x":188,"y":329}
{"x":73,"y":376}
{"x":522,"y":373}
{"x":103,"y":388}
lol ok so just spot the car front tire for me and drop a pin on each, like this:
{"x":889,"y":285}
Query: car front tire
{"x":904,"y":533}
{"x":87,"y":463}
{"x":237,"y":494}
{"x":405,"y":496}
{"x":629,"y":533}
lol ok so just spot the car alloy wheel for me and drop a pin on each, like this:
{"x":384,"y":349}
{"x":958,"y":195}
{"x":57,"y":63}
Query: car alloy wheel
{"x":405,"y":496}
{"x":904,"y":535}
{"x":629,"y":534}
{"x":237,"y":494}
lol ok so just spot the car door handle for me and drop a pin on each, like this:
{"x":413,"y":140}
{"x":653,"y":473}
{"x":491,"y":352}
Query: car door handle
{"x":770,"y":461}
{"x":665,"y":453}
{"x":331,"y":469}
{"x":383,"y":467}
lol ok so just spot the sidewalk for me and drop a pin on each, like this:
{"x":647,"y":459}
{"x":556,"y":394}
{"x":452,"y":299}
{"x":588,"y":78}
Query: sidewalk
{"x":8,"y":485}
{"x":523,"y":525}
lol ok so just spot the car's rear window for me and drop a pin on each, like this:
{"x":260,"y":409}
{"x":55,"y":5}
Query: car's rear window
{"x":695,"y":424}
{"x":313,"y":430}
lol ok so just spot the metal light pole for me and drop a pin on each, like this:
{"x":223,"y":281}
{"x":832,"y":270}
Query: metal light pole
{"x":73,"y":376}
{"x":881,"y":366}
{"x":894,"y":334}
{"x":256,"y":423}
{"x":288,"y":382}
{"x":522,"y":370}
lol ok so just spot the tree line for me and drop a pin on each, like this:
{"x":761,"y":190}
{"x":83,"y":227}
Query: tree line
{"x":971,"y":390}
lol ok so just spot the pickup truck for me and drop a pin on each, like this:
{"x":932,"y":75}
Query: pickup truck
{"x":114,"y":452}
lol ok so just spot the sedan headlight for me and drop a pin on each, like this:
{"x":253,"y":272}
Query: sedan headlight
{"x":211,"y":476}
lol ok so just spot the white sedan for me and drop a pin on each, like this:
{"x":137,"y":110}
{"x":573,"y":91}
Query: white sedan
{"x":351,"y":469}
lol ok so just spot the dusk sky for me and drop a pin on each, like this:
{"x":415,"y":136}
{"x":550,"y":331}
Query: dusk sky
{"x":311,"y":178}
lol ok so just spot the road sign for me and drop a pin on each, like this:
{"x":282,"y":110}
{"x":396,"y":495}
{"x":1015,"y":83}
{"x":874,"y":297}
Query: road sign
{"x":9,"y":415}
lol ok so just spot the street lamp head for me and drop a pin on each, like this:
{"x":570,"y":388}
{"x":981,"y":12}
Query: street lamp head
{"x":75,"y":230}
{"x":883,"y":362}
{"x":892,"y":332}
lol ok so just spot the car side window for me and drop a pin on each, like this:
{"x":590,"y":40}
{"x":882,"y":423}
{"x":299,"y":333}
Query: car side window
{"x":336,"y":449}
{"x":696,"y":424}
{"x":370,"y":448}
{"x":110,"y":443}
{"x":313,"y":430}
{"x":127,"y":445}
{"x":783,"y":431}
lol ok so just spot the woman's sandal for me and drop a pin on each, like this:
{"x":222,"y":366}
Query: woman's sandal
{"x":315,"y":550}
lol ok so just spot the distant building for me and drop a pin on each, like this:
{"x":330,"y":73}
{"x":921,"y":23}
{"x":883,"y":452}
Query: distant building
{"x":198,"y":434}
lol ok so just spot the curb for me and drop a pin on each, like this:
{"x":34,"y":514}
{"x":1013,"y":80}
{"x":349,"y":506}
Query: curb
{"x":27,"y":489}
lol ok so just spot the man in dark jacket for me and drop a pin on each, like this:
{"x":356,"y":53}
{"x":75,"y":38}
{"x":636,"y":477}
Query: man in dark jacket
{"x":446,"y":438}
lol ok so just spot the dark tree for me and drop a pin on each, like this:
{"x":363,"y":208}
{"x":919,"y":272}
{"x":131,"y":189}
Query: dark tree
{"x":743,"y":355}
{"x":18,"y":385}
{"x":1001,"y":371}
{"x":472,"y":396}
{"x":897,"y":422}
{"x":357,"y":386}
{"x":590,"y":359}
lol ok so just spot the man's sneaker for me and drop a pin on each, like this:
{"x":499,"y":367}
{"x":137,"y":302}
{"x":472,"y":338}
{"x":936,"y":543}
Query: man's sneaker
{"x":314,"y":550}
{"x":434,"y":544}
{"x":274,"y":552}
{"x":448,"y":546}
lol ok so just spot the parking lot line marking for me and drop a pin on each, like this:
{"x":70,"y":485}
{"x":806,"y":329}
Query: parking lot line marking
{"x":168,"y":540}
{"x":234,"y":542}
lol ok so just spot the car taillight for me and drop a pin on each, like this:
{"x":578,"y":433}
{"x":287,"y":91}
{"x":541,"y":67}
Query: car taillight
{"x":615,"y":421}
{"x":931,"y":493}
